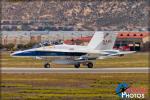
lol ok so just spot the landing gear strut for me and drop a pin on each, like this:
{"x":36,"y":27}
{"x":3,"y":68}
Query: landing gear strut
{"x":47,"y":65}
{"x":77,"y":65}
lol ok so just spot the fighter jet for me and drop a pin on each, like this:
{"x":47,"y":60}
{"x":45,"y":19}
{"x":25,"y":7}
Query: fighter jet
{"x":99,"y":47}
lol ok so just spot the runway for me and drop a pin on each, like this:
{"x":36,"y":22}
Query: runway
{"x":75,"y":70}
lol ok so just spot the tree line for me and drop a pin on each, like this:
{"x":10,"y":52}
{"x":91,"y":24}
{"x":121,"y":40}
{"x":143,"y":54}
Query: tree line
{"x":13,"y":47}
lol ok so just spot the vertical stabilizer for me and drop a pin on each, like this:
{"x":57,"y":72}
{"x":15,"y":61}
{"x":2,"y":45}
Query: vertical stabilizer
{"x":102,"y":40}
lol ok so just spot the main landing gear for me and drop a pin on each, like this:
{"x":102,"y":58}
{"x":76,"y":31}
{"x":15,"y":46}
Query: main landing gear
{"x":88,"y":64}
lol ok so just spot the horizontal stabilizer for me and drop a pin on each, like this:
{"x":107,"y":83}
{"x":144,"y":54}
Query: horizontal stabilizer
{"x":120,"y":53}
{"x":123,"y":53}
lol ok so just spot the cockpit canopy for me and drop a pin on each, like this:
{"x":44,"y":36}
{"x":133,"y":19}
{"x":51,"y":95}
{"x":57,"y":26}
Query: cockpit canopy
{"x":48,"y":43}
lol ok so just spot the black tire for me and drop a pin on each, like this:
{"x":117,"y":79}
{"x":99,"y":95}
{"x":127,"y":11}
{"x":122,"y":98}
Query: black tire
{"x":77,"y":65}
{"x":47,"y":65}
{"x":90,"y":65}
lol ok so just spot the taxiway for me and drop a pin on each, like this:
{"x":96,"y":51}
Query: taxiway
{"x":75,"y":70}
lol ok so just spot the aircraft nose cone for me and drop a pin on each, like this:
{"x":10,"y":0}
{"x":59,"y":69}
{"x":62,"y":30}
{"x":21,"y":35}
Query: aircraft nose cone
{"x":16,"y":53}
{"x":30,"y":52}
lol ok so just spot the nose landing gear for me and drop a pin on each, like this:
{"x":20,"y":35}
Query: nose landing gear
{"x":47,"y":65}
{"x":77,"y":65}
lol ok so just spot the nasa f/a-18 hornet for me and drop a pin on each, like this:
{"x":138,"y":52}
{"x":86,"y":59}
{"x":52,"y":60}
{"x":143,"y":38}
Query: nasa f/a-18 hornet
{"x":99,"y":47}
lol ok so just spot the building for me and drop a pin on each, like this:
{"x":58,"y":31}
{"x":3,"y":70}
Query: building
{"x":129,"y":41}
{"x":133,"y":41}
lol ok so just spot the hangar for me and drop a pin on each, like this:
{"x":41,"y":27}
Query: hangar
{"x":128,"y":41}
{"x":133,"y":41}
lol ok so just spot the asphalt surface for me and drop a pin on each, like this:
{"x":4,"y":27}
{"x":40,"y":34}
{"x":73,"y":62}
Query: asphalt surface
{"x":75,"y":70}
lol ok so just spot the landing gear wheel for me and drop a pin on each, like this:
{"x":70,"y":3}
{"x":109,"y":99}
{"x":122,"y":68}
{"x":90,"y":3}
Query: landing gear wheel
{"x":90,"y":65}
{"x":47,"y":65}
{"x":77,"y":65}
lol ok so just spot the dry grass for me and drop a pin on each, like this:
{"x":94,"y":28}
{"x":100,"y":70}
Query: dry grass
{"x":67,"y":86}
